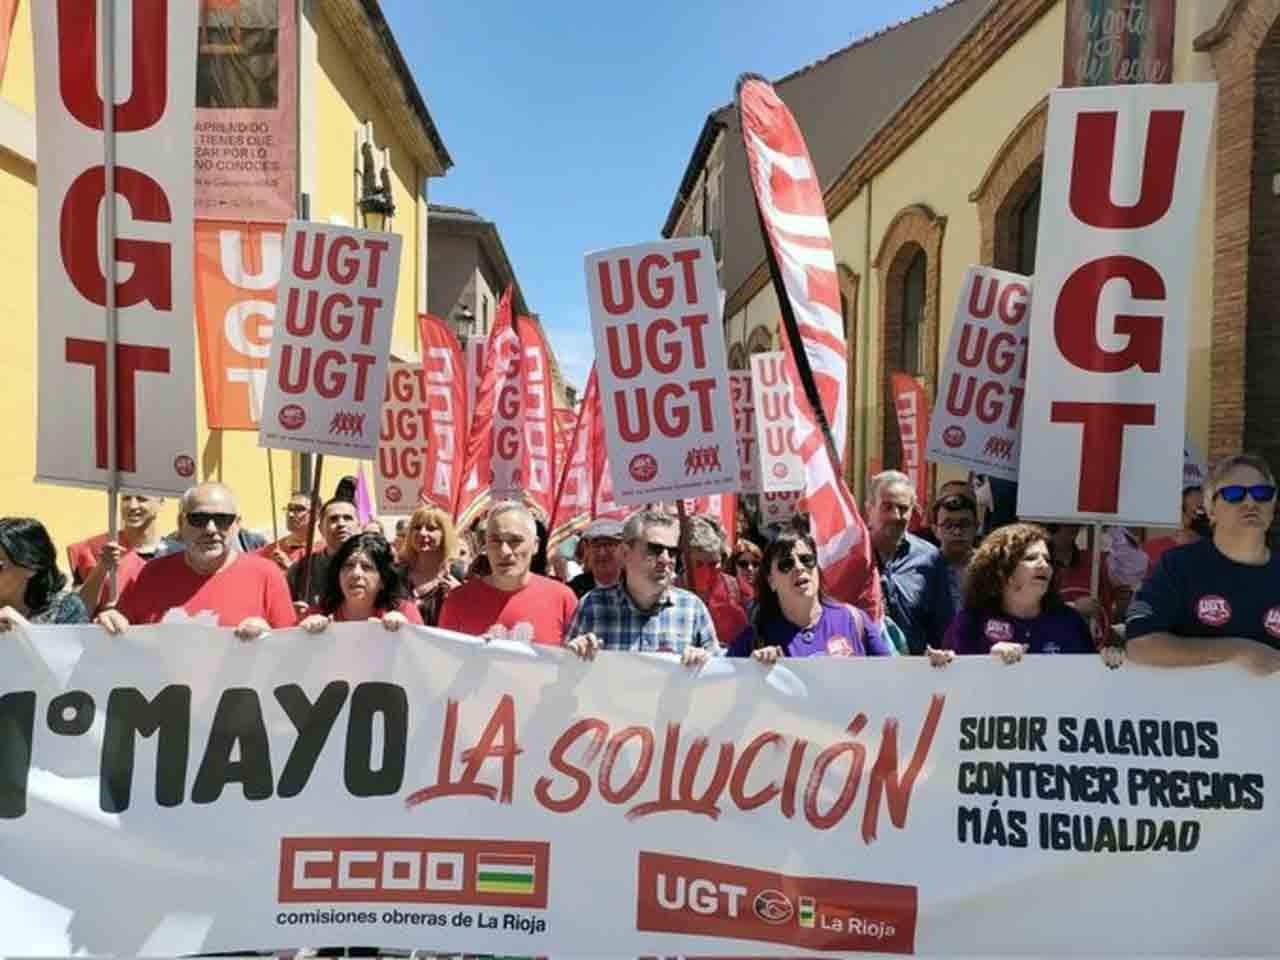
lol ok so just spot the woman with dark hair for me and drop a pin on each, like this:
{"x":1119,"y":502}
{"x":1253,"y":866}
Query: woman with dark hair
{"x":1011,"y":607}
{"x":362,"y":582}
{"x":792,"y":616}
{"x":31,"y":585}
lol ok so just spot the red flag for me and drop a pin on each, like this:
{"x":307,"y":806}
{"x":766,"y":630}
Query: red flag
{"x":536,"y":399}
{"x":443,"y":368}
{"x":913,"y":426}
{"x":801,"y":260}
{"x":477,"y":472}
{"x":584,"y":491}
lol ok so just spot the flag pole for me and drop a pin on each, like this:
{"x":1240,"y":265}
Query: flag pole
{"x":312,"y":520}
{"x":109,"y":270}
{"x":271,"y":487}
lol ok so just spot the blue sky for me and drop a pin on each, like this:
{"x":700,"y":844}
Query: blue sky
{"x":570,"y":123}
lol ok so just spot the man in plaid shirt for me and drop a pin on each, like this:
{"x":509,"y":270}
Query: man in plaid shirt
{"x":644,"y":611}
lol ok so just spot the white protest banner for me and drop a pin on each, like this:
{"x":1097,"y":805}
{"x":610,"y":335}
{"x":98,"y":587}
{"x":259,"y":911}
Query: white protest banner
{"x":977,"y":416}
{"x":781,"y":468}
{"x":399,"y":470}
{"x":334,"y":310}
{"x":744,"y":427}
{"x":155,"y":408}
{"x":664,"y":385}
{"x":361,"y":786}
{"x":1105,"y":412}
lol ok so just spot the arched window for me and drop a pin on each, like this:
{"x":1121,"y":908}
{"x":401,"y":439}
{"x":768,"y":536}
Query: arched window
{"x":1027,"y":226}
{"x":913,"y":302}
{"x":760,"y":340}
{"x":737,"y":357}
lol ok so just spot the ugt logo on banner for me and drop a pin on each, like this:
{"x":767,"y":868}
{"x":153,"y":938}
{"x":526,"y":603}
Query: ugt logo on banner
{"x":1107,"y":379}
{"x":664,"y":383}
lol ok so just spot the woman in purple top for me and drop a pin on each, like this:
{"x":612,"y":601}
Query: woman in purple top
{"x":1010,"y":607}
{"x":792,"y":617}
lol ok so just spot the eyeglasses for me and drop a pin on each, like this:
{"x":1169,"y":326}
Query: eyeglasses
{"x":296,"y":508}
{"x":656,"y":550}
{"x":957,"y":526}
{"x":1235,"y":492}
{"x":787,"y":564}
{"x":200,"y":520}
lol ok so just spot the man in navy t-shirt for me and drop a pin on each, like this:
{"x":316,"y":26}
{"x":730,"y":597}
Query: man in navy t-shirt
{"x":1218,"y":599}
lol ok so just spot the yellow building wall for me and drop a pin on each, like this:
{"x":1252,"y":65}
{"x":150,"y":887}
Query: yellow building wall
{"x":342,"y":102}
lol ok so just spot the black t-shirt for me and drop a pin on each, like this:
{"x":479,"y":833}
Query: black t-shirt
{"x":582,"y":584}
{"x":1195,"y":591}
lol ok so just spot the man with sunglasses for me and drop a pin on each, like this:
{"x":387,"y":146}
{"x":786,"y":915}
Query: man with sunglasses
{"x":645,"y":611}
{"x":210,"y":576}
{"x":1218,"y":599}
{"x":289,"y":549}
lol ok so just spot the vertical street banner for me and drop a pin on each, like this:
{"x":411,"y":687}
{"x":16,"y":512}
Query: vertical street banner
{"x":781,"y":469}
{"x":537,"y":413}
{"x":155,"y":413}
{"x":444,"y":384}
{"x":400,"y":469}
{"x":484,"y":373}
{"x":912,"y":409}
{"x":802,"y":264}
{"x":335,"y":307}
{"x":475,"y":353}
{"x":246,"y":120}
{"x":664,"y":383}
{"x":1105,"y":410}
{"x":237,"y":272}
{"x":744,"y":427}
{"x":1110,"y":42}
{"x":977,"y":416}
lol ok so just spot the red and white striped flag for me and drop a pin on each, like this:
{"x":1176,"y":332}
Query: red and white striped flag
{"x":477,"y":470}
{"x":802,"y":262}
{"x":445,"y":389}
{"x":584,"y":491}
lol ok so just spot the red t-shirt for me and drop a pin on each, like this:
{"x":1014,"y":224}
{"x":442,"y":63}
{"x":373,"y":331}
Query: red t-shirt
{"x":127,"y":571}
{"x":406,"y":607}
{"x":82,"y":557}
{"x":545,"y":604}
{"x":293,"y":553}
{"x":249,"y":587}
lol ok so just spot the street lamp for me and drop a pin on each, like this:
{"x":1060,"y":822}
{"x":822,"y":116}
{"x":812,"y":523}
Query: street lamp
{"x":375,"y":201}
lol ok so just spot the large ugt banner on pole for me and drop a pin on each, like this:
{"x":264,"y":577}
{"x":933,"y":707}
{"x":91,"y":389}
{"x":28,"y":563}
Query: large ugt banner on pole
{"x":390,"y":789}
{"x":335,"y":307}
{"x":1107,"y":379}
{"x":155,"y":355}
{"x":664,"y":382}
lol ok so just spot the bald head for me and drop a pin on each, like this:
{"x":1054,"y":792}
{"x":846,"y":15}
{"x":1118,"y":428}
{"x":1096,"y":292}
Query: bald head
{"x":209,"y":518}
{"x":203,"y":493}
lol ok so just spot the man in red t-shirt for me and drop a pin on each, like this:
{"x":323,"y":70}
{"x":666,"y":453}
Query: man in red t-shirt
{"x":289,"y":549}
{"x":139,"y":540}
{"x":210,"y":576}
{"x":511,"y":600}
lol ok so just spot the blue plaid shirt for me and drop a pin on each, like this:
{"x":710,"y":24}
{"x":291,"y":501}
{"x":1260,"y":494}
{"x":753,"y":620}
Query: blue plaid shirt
{"x":678,"y":619}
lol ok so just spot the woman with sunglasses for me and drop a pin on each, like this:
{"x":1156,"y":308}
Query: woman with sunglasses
{"x":793,"y":618}
{"x":1218,"y":599}
{"x":363,"y":583}
{"x":31,"y":585}
{"x":745,"y":566}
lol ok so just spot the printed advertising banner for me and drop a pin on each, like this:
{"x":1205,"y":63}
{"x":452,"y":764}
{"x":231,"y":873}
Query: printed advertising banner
{"x":744,"y":427}
{"x":1105,"y":413}
{"x":977,"y":417}
{"x":237,"y":272}
{"x":246,"y":120}
{"x":155,"y":404}
{"x":781,"y":469}
{"x":664,"y":383}
{"x":176,"y":791}
{"x":336,"y":304}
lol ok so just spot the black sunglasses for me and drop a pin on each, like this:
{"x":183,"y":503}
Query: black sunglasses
{"x":200,"y":519}
{"x":656,"y":550}
{"x":1234,"y":493}
{"x":787,"y":564}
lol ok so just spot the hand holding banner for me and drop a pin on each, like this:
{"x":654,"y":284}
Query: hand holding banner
{"x":335,"y":308}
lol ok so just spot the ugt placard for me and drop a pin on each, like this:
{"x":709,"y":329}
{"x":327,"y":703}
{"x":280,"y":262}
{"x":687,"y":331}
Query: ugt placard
{"x":664,"y":382}
{"x":334,"y":310}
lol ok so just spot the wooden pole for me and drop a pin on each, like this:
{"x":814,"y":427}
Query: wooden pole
{"x":271,"y":487}
{"x":109,"y":270}
{"x":311,"y":527}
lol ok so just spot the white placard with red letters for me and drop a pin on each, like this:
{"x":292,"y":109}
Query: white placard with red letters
{"x":398,"y":474}
{"x":334,"y":311}
{"x":977,"y":416}
{"x":1105,"y":414}
{"x":781,"y":468}
{"x":664,"y":384}
{"x":154,"y":182}
{"x":498,"y":798}
{"x":744,"y":426}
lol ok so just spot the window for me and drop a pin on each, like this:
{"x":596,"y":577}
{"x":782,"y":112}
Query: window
{"x":1028,"y":226}
{"x":484,"y":312}
{"x":913,"y":297}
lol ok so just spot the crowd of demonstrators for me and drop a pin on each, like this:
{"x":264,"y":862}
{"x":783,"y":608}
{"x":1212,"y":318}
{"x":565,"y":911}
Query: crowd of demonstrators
{"x":645,"y":611}
{"x":1216,"y":598}
{"x":602,"y":555}
{"x":510,"y":599}
{"x":92,"y":561}
{"x":210,"y":576}
{"x":794,"y":618}
{"x":913,"y":574}
{"x":338,"y":523}
{"x":32,"y":588}
{"x":363,"y":583}
{"x":430,"y":544}
{"x":289,"y":549}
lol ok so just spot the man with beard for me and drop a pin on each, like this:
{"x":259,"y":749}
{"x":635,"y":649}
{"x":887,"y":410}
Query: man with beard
{"x":913,"y":575}
{"x":210,"y":575}
{"x":93,"y":560}
{"x":645,"y":611}
{"x":338,"y":524}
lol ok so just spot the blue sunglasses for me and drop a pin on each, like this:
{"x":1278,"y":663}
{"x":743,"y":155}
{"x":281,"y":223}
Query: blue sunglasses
{"x":1235,"y":492}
